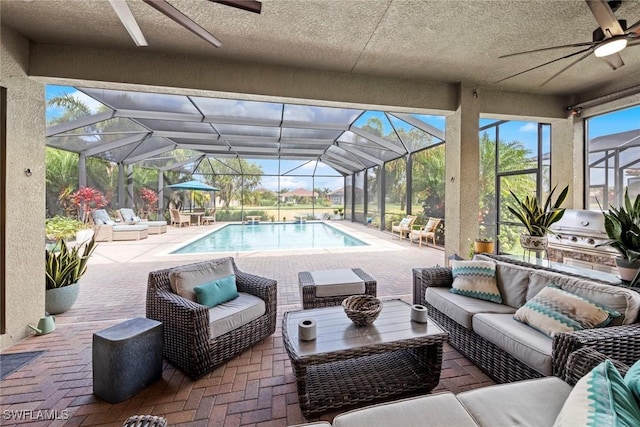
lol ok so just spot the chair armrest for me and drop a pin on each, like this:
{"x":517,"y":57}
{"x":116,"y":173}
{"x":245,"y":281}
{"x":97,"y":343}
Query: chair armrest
{"x":582,"y":361}
{"x":617,"y":342}
{"x":439,"y":277}
{"x":417,"y":227}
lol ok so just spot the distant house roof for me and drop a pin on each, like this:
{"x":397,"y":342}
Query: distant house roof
{"x":300,"y":192}
{"x":262,"y":190}
{"x":337,"y":192}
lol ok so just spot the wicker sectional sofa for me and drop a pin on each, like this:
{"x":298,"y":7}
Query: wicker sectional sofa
{"x":530,"y":403}
{"x":507,"y":350}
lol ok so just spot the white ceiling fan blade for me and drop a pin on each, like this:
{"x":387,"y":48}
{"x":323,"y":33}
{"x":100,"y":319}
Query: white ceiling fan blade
{"x":126,"y":17}
{"x":166,"y":9}
{"x":605,"y":17}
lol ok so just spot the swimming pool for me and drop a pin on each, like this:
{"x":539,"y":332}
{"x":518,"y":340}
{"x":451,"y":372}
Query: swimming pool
{"x":270,"y":236}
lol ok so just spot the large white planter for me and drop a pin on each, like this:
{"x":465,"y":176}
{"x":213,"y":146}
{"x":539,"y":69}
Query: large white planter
{"x":627,"y":270}
{"x":534,"y":243}
{"x":59,"y":300}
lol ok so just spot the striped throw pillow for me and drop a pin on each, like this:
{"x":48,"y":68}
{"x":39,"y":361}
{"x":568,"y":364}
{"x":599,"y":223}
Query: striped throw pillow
{"x":600,"y":399}
{"x":555,"y":310}
{"x":476,"y":279}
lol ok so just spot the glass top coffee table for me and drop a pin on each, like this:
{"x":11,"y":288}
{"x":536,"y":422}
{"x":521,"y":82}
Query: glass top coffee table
{"x":346,"y":364}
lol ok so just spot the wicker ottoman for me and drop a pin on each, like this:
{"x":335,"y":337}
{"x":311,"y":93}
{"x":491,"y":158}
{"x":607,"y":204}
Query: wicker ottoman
{"x":327,"y":288}
{"x":126,"y":358}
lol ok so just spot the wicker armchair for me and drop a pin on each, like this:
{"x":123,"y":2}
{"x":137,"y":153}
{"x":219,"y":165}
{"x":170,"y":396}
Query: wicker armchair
{"x":187,"y":337}
{"x":618,"y":342}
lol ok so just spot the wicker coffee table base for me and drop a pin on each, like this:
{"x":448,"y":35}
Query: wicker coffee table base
{"x":363,"y":379}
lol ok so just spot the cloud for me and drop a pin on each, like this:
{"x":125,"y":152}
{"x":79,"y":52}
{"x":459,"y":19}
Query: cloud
{"x":529,"y":127}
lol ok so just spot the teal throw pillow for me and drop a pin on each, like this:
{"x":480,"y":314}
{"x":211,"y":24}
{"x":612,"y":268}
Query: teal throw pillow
{"x":555,"y":310}
{"x":600,"y":399}
{"x":217,"y":291}
{"x":476,"y":279}
{"x":632,"y":380}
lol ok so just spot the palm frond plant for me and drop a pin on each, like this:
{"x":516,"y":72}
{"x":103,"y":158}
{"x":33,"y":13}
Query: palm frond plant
{"x":535,"y":217}
{"x":623,"y":228}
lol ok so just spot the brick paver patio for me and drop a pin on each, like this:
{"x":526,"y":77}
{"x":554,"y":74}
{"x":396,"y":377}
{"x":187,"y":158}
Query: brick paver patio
{"x":256,"y":388}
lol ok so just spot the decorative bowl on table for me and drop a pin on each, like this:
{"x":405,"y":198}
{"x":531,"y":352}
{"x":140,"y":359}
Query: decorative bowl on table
{"x":363,"y":310}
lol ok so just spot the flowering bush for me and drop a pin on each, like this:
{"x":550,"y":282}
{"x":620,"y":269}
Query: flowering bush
{"x":86,"y":199}
{"x":149,"y":199}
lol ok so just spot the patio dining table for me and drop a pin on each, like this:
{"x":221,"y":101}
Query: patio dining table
{"x":198,"y":215}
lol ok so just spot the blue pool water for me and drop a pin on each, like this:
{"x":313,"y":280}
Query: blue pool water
{"x":270,"y":236}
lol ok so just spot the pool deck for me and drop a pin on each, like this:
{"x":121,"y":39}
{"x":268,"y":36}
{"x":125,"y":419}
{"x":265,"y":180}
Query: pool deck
{"x":257,"y":388}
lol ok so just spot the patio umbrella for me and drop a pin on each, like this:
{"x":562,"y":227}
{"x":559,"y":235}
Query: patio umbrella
{"x":194,"y":186}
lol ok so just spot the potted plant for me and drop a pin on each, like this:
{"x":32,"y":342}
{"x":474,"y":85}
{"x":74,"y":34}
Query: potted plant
{"x":623,"y":229}
{"x":536,"y":218}
{"x":483,"y":245}
{"x":64,"y":267}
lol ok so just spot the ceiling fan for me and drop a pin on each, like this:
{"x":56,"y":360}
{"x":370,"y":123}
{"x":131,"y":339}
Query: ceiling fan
{"x":611,"y":37}
{"x":126,"y":17}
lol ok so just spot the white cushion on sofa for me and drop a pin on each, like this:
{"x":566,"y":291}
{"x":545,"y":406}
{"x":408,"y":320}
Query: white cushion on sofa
{"x":231,"y":315}
{"x":462,"y":308}
{"x":438,"y":410}
{"x":519,"y":340}
{"x":531,"y":403}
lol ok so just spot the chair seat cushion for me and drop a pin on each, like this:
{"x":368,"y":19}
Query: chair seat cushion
{"x":337,"y":282}
{"x":231,"y":315}
{"x":462,"y":308}
{"x":522,"y":406}
{"x":436,"y":410}
{"x":531,"y":347}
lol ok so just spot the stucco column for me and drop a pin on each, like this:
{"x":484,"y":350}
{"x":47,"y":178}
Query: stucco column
{"x":23,"y":274}
{"x":567,"y":159}
{"x":461,"y":173}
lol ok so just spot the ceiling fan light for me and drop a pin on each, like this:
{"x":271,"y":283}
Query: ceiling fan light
{"x":611,"y":46}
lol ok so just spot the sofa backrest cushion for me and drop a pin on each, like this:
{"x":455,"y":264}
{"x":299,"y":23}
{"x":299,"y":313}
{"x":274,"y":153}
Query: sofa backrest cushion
{"x":514,"y":281}
{"x":185,"y":278}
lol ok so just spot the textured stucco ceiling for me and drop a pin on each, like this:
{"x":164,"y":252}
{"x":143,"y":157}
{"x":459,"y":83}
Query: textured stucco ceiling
{"x":439,"y":41}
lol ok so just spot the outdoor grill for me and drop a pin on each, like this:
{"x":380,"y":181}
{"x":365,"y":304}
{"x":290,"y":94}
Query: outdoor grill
{"x":575,"y":240}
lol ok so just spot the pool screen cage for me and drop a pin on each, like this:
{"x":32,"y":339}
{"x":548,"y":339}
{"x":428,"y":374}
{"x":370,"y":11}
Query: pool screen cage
{"x":276,"y":160}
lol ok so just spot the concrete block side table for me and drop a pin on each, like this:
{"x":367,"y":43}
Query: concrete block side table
{"x":126,"y":358}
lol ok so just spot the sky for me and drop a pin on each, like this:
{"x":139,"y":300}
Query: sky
{"x":525,"y":132}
